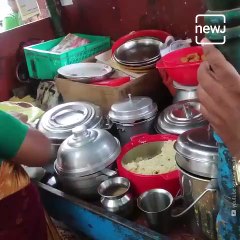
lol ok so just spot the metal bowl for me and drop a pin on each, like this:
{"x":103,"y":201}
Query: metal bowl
{"x":140,"y":50}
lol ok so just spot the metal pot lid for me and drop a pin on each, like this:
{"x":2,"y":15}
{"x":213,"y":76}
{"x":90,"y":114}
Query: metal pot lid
{"x":87,"y":151}
{"x":133,"y":109}
{"x":181,"y":117}
{"x":197,"y":152}
{"x":58,"y":122}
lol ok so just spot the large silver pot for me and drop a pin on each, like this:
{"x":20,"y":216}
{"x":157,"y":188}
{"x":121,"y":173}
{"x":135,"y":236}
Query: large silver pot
{"x":133,"y":116}
{"x":184,"y":92}
{"x":85,"y":159}
{"x":197,"y":156}
{"x":58,"y":122}
{"x":180,"y":117}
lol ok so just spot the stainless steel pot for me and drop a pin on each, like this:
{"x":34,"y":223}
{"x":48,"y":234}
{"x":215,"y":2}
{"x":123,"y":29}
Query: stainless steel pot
{"x":84,"y":160}
{"x":184,"y":92}
{"x":197,"y":157}
{"x":180,"y":117}
{"x":133,"y":116}
{"x":58,"y":122}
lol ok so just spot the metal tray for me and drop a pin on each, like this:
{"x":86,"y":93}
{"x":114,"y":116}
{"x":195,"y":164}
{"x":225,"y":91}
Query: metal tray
{"x":97,"y":223}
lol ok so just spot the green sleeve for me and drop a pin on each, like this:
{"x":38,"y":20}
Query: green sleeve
{"x":12,"y":135}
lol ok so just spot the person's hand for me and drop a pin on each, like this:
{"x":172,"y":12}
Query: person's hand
{"x":219,"y":95}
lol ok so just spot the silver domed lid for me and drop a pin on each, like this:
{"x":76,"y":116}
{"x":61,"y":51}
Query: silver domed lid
{"x":58,"y":122}
{"x":133,"y":109}
{"x":180,"y":117}
{"x":197,"y":152}
{"x":87,"y":151}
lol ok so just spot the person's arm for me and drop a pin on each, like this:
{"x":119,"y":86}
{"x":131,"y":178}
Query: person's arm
{"x":219,"y":95}
{"x":21,"y":144}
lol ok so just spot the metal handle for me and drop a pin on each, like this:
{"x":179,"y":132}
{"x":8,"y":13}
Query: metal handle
{"x":188,"y":111}
{"x":107,"y":124}
{"x":108,"y":172}
{"x":211,"y":187}
{"x":80,"y":132}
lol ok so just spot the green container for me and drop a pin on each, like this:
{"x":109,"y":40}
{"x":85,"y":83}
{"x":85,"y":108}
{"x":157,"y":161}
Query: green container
{"x":43,"y":64}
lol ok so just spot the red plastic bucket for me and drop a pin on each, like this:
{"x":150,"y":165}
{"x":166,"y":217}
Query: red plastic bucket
{"x":141,"y":183}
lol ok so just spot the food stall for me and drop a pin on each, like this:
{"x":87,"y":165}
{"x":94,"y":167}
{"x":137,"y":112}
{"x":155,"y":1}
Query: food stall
{"x":125,"y":136}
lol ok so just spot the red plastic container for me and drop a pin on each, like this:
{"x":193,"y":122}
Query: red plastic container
{"x":114,"y":82}
{"x":183,"y":73}
{"x":141,"y":183}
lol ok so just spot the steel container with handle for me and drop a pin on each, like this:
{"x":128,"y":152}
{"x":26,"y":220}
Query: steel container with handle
{"x":58,"y":122}
{"x":180,"y":117}
{"x":133,"y":116}
{"x":84,"y":160}
{"x":197,"y":158}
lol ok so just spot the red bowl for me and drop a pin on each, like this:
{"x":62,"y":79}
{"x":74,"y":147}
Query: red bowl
{"x":182,"y":73}
{"x":141,"y":183}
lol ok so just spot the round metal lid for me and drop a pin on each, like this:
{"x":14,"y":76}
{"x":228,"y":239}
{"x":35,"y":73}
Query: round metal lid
{"x":181,"y":117}
{"x":133,"y":109}
{"x":197,"y":152}
{"x":58,"y":122}
{"x":87,"y":151}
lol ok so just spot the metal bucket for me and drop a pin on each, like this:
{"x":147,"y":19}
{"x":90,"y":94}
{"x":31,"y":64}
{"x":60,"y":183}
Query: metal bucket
{"x":196,"y":190}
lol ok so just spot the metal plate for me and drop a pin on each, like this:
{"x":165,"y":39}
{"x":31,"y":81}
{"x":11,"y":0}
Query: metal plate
{"x":84,"y":72}
{"x":139,"y":50}
{"x":150,"y":63}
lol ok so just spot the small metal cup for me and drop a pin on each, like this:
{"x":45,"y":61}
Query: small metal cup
{"x":156,"y":205}
{"x":121,"y":203}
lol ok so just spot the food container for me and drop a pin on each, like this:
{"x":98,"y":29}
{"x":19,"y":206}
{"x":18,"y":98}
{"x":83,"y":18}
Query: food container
{"x":116,"y":197}
{"x":133,"y":116}
{"x":197,"y":157}
{"x":180,"y":117}
{"x":84,"y":160}
{"x":146,"y":146}
{"x":58,"y":122}
{"x":183,"y":73}
{"x":184,"y":92}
